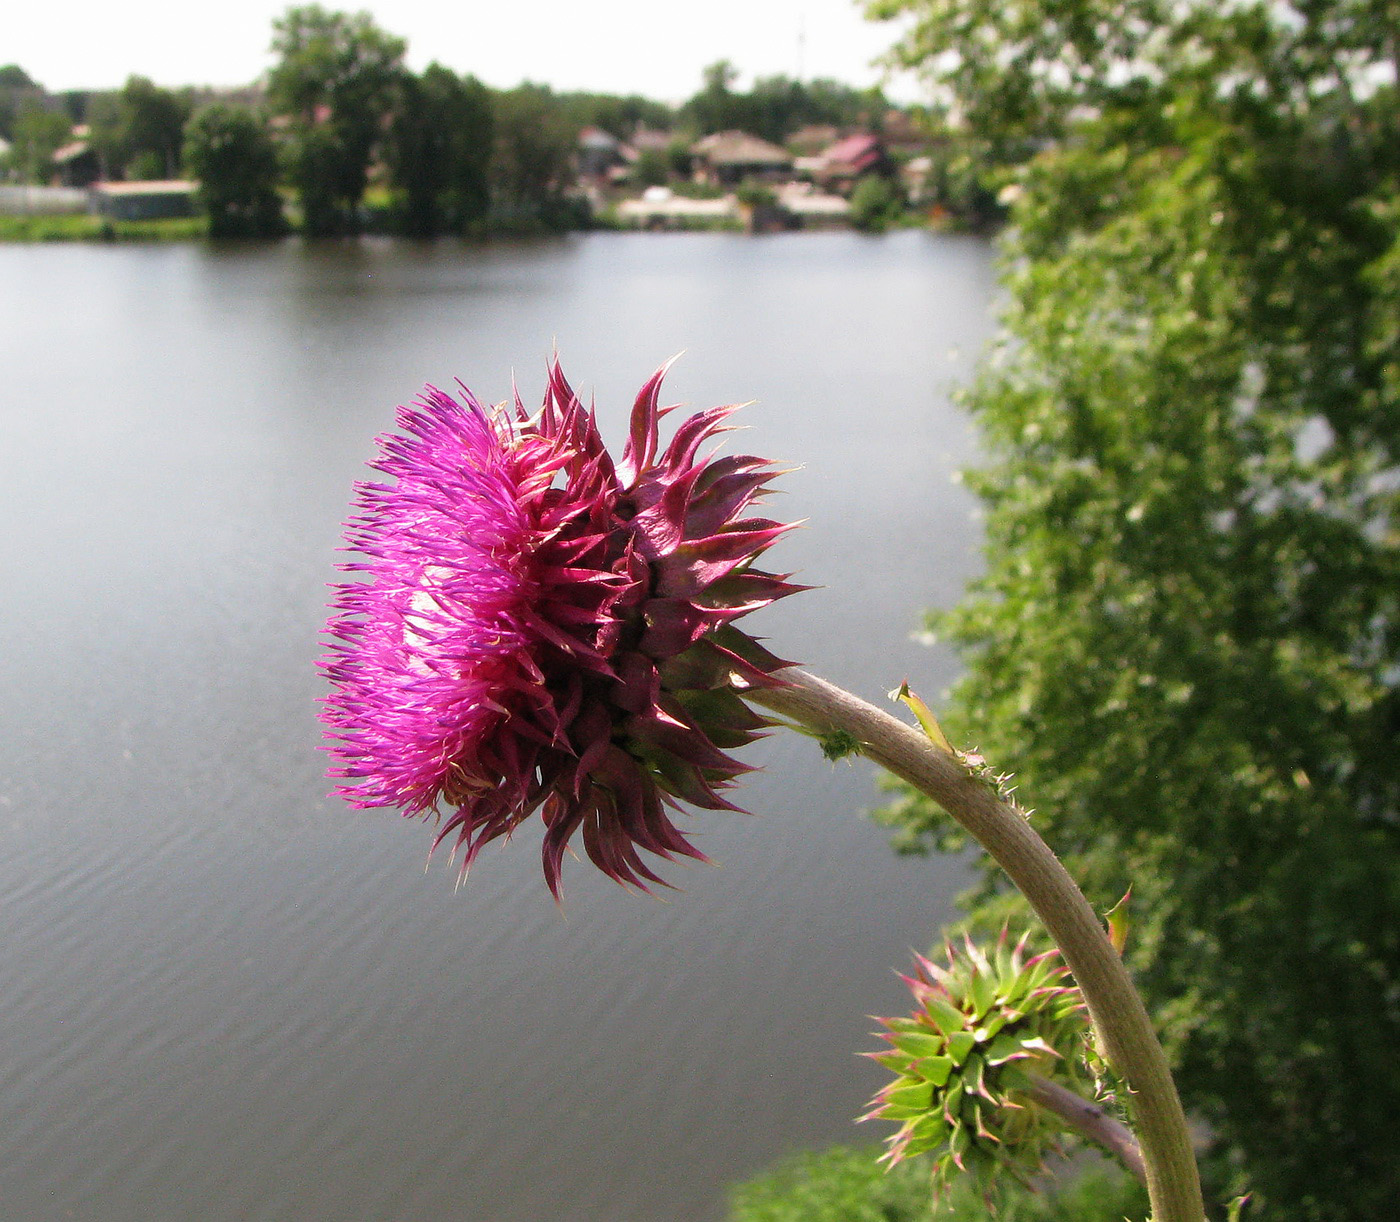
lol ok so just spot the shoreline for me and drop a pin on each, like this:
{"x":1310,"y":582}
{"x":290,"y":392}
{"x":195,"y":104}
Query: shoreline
{"x":33,"y":230}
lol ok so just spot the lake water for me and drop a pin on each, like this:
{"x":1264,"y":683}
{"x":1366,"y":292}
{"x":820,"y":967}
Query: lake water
{"x":224,"y":995}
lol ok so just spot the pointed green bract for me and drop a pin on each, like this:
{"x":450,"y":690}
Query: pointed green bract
{"x":927,"y":721}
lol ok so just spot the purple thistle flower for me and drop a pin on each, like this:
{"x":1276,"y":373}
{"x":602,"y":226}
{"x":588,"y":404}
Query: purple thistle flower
{"x":541,"y":628}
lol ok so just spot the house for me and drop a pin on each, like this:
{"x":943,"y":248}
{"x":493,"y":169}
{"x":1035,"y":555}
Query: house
{"x":143,"y":201}
{"x":728,"y":158}
{"x":598,"y":152}
{"x":648,"y":138}
{"x":840,"y":165}
{"x":77,"y":164}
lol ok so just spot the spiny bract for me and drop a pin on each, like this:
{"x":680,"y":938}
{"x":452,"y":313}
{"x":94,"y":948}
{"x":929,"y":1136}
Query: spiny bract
{"x":961,"y":1059}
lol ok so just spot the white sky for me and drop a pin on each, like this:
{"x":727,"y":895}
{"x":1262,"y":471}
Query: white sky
{"x":652,"y":47}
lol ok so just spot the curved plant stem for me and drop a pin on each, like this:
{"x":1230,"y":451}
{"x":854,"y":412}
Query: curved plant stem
{"x":1121,"y":1023}
{"x":1090,"y":1120}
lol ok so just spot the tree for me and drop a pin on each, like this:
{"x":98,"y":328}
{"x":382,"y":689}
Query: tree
{"x":138,"y":131}
{"x":38,"y":134}
{"x":103,"y":115}
{"x":876,"y":204}
{"x":614,"y":113}
{"x":16,"y":88}
{"x":777,"y":106}
{"x":154,"y":128}
{"x":230,"y":151}
{"x":12,"y":76}
{"x":532,"y":161}
{"x":1186,"y":645}
{"x":1018,"y":72}
{"x":326,"y":181}
{"x":336,"y":81}
{"x":714,"y":108}
{"x":651,"y":169}
{"x":439,"y":150}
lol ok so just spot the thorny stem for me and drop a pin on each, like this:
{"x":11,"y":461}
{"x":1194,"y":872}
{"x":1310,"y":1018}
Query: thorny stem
{"x":1120,"y":1020}
{"x":1090,"y":1120}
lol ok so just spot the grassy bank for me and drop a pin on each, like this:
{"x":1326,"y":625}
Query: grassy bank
{"x":847,"y":1185}
{"x":98,"y":229}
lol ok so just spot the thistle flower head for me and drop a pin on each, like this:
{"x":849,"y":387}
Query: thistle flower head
{"x":538,"y":627}
{"x":982,"y":1022}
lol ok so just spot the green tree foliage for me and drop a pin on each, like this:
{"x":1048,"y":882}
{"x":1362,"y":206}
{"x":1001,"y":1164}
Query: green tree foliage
{"x":618,"y":114}
{"x":440,"y":145}
{"x":876,"y":204}
{"x":1017,"y":72}
{"x":651,"y":169}
{"x":337,"y":78}
{"x":153,"y":129}
{"x":678,"y":157}
{"x":1187,"y":641}
{"x":13,"y":77}
{"x":38,"y":133}
{"x":754,"y":193}
{"x":327,"y":184}
{"x":16,"y":88}
{"x":75,"y":103}
{"x":103,"y":115}
{"x":532,"y":162}
{"x":230,"y":151}
{"x":964,"y":181}
{"x":777,"y":106}
{"x":715,"y":108}
{"x":139,"y":130}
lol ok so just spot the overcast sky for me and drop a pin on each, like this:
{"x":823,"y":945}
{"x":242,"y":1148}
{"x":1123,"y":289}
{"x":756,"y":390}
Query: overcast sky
{"x":651,"y":47}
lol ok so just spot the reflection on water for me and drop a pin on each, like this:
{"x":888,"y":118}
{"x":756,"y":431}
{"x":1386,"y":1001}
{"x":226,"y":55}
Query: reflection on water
{"x":225,"y":996}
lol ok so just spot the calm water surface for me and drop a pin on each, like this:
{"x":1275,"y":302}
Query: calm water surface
{"x":225,"y":996}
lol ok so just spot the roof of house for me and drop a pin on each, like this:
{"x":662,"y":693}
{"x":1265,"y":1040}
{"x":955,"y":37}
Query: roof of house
{"x":650,"y":138}
{"x":854,"y":153}
{"x":71,"y":152}
{"x":164,"y":186}
{"x":740,"y":148}
{"x":597,"y":138}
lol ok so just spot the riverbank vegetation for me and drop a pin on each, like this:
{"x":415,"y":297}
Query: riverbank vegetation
{"x":847,"y":1184}
{"x":1185,"y":644}
{"x":341,"y":137}
{"x":99,"y":229}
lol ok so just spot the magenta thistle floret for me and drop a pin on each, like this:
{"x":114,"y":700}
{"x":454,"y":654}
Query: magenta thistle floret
{"x":542,"y":628}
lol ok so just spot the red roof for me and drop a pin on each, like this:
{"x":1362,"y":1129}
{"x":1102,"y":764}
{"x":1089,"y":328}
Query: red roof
{"x":859,"y":152}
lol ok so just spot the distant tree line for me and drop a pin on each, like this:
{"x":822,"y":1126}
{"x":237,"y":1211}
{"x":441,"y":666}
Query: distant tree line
{"x":348,"y":136}
{"x":343,"y":114}
{"x":137,"y":132}
{"x":777,"y":106}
